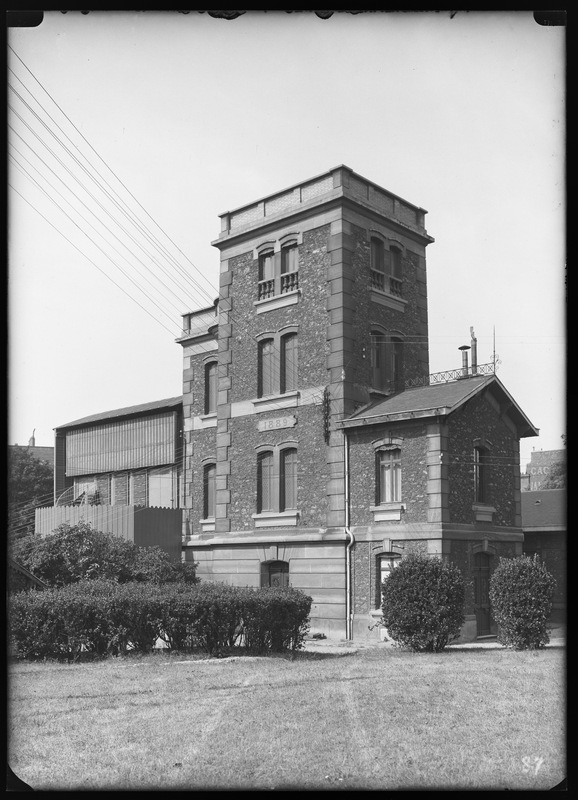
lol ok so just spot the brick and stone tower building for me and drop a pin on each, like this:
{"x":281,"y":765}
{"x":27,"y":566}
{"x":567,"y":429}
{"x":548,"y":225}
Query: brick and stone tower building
{"x":300,"y":425}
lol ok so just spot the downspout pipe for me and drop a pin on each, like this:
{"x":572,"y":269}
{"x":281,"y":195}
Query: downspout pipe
{"x":351,"y":540}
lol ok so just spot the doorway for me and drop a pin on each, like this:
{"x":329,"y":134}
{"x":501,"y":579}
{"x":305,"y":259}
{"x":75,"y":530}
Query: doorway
{"x":275,"y":574}
{"x":482,"y":594}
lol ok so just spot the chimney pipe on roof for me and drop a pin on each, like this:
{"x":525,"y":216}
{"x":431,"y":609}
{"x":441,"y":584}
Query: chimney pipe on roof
{"x":474,"y":352}
{"x":464,"y":348}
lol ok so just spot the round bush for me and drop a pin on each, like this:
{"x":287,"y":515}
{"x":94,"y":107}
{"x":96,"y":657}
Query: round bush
{"x":423,"y":603}
{"x":521,"y":592}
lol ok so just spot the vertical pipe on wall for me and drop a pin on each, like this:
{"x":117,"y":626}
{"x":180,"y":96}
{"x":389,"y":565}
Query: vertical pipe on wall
{"x":349,"y":534}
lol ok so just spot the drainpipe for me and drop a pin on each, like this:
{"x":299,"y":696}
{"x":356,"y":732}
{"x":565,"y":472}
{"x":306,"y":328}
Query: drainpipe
{"x":349,"y":534}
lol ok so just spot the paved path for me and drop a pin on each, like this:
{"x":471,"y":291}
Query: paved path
{"x":337,"y":647}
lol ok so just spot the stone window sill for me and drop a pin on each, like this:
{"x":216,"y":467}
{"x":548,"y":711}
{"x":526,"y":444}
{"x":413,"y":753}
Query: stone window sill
{"x":208,"y":420}
{"x":389,"y":300}
{"x":483,"y":512}
{"x":275,"y":519}
{"x":207,"y":524}
{"x":388,"y":512}
{"x":273,"y":402}
{"x":278,"y":301}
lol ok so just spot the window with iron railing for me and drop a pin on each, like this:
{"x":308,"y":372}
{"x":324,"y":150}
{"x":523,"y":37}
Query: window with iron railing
{"x":278,"y":272}
{"x":386,"y":268}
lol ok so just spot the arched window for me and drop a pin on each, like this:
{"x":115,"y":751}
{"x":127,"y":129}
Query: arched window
{"x":386,"y":362}
{"x":288,"y":479}
{"x":266,"y":275}
{"x":377,"y":264}
{"x":275,"y":574}
{"x":289,"y":268}
{"x":265,"y":482}
{"x":289,"y":359}
{"x":266,"y":368}
{"x":386,"y":563}
{"x":388,"y":482}
{"x":211,"y":387}
{"x":276,"y":485}
{"x":209,"y":474}
{"x":395,"y":280}
{"x":395,"y":356}
{"x":378,"y":372}
{"x":481,"y":483}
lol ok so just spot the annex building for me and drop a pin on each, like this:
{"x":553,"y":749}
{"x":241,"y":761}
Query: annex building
{"x":311,"y":445}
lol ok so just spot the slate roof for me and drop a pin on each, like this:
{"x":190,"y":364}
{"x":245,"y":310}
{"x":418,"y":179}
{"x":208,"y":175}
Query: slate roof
{"x":129,"y":411}
{"x":544,"y":509}
{"x":439,"y":399}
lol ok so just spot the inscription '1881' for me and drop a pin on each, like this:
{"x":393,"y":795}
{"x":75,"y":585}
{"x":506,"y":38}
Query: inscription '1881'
{"x":288,"y":421}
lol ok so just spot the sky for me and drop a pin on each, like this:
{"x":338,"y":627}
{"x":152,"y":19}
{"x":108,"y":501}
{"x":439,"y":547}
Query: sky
{"x":130,"y":132}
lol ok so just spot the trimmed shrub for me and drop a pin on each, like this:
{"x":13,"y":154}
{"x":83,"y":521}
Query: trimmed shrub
{"x":423,"y":603}
{"x":275,"y":619}
{"x":103,"y":617}
{"x":521,"y":593}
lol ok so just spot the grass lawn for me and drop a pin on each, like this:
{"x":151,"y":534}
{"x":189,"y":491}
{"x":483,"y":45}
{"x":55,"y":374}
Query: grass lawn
{"x":379,"y":719}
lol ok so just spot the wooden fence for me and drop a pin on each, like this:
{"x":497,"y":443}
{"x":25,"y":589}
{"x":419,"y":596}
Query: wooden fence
{"x":144,"y":526}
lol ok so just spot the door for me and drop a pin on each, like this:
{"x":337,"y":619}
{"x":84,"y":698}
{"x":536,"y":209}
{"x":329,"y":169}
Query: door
{"x":275,"y":574}
{"x":482,"y":593}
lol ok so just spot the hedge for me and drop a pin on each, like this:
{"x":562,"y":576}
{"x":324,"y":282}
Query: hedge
{"x":102,"y":617}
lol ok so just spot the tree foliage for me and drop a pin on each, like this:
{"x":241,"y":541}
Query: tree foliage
{"x":74,"y":552}
{"x":521,"y":594}
{"x":556,"y":477}
{"x":423,"y":603}
{"x":30,"y":485}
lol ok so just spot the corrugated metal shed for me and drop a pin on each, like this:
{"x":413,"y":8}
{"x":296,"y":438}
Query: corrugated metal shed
{"x":129,"y":411}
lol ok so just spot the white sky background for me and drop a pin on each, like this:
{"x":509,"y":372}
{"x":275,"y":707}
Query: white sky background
{"x":196,"y":116}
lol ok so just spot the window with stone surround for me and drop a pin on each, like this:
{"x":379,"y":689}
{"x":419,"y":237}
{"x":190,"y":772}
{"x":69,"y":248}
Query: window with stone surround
{"x":481,"y":468}
{"x":389,"y":476}
{"x":276,"y":485}
{"x":209,"y":474}
{"x":210,"y":405}
{"x":289,"y":360}
{"x":388,"y":472}
{"x":386,"y":361}
{"x":277,"y":367}
{"x":386,"y":267}
{"x":386,"y":563}
{"x":266,"y":368}
{"x":278,"y":271}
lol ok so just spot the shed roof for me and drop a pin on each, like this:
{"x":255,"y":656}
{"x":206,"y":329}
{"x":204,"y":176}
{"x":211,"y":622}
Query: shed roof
{"x":544,"y":509}
{"x":129,"y":411}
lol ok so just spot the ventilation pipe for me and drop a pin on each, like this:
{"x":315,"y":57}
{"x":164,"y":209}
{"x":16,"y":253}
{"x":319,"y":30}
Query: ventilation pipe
{"x":474,"y":344}
{"x":464,"y":348}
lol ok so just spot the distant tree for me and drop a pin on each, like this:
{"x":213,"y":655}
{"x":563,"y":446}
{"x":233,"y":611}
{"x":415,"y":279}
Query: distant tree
{"x":75,"y":552}
{"x":30,"y":485}
{"x":557,"y":477}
